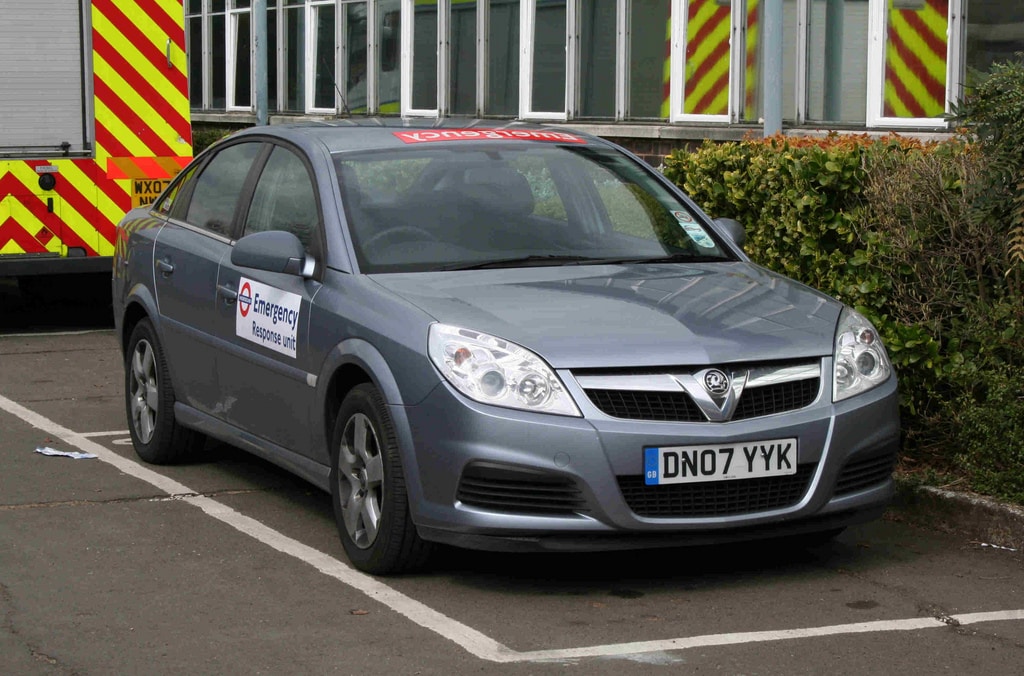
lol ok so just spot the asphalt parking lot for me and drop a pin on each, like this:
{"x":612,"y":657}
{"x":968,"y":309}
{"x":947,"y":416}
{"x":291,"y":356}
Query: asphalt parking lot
{"x":231,"y":565}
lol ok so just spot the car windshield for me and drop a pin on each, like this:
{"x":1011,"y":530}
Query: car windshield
{"x":509,"y":204}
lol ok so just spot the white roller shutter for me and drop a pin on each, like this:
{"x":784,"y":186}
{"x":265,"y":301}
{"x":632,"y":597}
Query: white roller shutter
{"x":42,"y":78}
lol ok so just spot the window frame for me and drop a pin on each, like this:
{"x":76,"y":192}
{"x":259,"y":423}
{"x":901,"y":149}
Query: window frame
{"x":877,"y":43}
{"x":442,"y":45}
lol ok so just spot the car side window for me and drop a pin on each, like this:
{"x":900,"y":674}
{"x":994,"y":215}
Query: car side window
{"x":219,"y":186}
{"x":284,"y":198}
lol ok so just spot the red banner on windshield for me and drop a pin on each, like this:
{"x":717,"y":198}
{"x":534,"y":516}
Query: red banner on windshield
{"x":437,"y":135}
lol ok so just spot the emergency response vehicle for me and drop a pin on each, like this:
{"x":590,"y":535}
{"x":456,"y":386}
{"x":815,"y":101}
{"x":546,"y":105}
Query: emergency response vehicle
{"x":95,"y":121}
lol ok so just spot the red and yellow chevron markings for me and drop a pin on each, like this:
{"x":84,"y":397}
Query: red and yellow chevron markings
{"x":140,"y":99}
{"x":706,"y":86}
{"x":915,"y":58}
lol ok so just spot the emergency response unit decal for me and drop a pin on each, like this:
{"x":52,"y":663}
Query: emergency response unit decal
{"x":486,"y":135}
{"x":268,"y":316}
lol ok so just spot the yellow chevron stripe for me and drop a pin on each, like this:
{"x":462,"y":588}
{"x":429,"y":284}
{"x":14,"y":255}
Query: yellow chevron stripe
{"x":914,"y":86}
{"x":85,"y":185}
{"x":700,"y":54}
{"x":934,"y":63}
{"x":895,"y":103}
{"x":119,"y":130}
{"x":127,"y":93}
{"x":144,"y":66}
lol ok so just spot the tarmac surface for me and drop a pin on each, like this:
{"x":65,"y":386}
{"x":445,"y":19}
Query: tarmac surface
{"x":231,"y":565}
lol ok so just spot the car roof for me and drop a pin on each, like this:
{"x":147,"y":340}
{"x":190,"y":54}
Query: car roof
{"x":379,"y":133}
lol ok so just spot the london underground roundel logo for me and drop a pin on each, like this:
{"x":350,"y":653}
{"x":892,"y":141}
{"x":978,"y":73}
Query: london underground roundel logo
{"x":245,"y":299}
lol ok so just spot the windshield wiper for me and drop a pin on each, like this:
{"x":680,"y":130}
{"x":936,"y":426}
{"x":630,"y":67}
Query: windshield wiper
{"x":523,"y":261}
{"x":673,"y":258}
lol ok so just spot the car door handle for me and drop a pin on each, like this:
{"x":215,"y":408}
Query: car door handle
{"x":165,"y":267}
{"x":229,"y":294}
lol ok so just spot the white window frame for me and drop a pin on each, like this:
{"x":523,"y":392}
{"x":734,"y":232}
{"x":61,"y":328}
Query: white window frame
{"x":737,"y":65}
{"x":312,"y":42}
{"x":441,"y":43}
{"x":230,"y":43}
{"x":527,"y":26}
{"x":877,"y":39}
{"x":623,"y":36}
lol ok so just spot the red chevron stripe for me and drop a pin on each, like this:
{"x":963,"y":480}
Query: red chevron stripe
{"x":708,"y":98}
{"x":112,"y":190}
{"x":11,"y":185}
{"x":12,"y":230}
{"x":936,"y":44}
{"x":166,"y":22}
{"x":147,"y":91}
{"x":142,"y":42}
{"x":130,"y":118}
{"x":936,"y":89}
{"x":108,"y":142}
{"x":721,"y":50}
{"x":721,"y":14}
{"x":902,"y":94}
{"x":87,"y":210}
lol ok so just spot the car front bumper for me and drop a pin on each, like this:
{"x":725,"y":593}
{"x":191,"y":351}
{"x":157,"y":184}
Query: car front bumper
{"x":499,"y":479}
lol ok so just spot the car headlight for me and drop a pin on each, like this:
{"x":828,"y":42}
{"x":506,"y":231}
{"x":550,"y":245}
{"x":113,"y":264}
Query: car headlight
{"x":861,"y":361}
{"x":495,"y":371}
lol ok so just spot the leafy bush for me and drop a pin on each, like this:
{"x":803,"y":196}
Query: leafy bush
{"x":992,"y":113}
{"x":887,"y":225}
{"x":203,"y":137}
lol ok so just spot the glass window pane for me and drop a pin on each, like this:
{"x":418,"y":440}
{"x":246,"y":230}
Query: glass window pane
{"x":597,"y":58}
{"x":995,"y":32}
{"x":355,"y":49}
{"x":193,"y":7}
{"x":706,"y":79}
{"x":649,"y":58}
{"x":294,"y":60}
{"x":243,"y":60}
{"x":195,"y":61}
{"x":323,"y":57}
{"x":548,"y":86}
{"x":915,"y":58}
{"x":284,"y":198}
{"x":753,"y":100}
{"x":837,"y":61}
{"x":272,"y":60}
{"x":503,"y":58}
{"x":219,"y":187}
{"x":389,"y":73}
{"x":424,"y":57}
{"x":218,"y":62}
{"x":463,"y":58}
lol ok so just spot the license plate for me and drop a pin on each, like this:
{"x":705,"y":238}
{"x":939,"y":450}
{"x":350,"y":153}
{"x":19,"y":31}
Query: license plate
{"x":745,"y":460}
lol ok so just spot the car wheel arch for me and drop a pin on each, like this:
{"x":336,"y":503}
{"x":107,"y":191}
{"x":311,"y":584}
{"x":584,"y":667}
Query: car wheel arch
{"x":350,"y":363}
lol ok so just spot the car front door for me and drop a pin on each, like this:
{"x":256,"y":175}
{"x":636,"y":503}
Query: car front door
{"x":266,"y":372}
{"x":187,"y":251}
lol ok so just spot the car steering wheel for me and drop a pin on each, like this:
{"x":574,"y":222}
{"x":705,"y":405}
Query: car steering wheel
{"x":399,"y":230}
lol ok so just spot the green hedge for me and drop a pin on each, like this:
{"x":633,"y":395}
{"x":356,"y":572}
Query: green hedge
{"x":886,"y":226}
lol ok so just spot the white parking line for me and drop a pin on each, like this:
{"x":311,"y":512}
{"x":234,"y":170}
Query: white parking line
{"x":469,"y":639}
{"x":115,"y":433}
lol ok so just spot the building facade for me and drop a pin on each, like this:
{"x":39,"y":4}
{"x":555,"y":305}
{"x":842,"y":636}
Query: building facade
{"x":643,"y":69}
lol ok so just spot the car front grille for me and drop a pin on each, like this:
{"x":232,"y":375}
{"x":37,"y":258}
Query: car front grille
{"x":520,"y":491}
{"x":715,"y":498}
{"x":864,"y":473}
{"x":657,"y":396}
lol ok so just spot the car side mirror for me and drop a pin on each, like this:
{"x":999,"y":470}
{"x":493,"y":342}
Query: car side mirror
{"x":273,"y":251}
{"x":732,"y":229}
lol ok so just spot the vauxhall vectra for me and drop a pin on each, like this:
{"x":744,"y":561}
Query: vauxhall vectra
{"x":494,"y":336}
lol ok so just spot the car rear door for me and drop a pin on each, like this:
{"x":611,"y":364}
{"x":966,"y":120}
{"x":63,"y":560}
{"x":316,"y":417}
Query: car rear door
{"x":267,"y":372}
{"x":187,"y":251}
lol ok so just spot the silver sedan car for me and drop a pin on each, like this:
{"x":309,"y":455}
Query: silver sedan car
{"x":495,"y":336}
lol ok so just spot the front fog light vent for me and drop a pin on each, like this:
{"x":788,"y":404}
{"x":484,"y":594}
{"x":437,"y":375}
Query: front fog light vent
{"x":520,"y":491}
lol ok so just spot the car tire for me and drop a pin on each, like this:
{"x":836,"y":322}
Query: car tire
{"x":149,"y":402}
{"x":371,"y":506}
